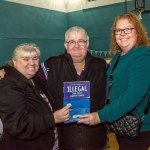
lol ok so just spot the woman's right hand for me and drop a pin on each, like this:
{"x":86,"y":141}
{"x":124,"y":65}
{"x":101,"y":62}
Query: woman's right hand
{"x":62,"y":115}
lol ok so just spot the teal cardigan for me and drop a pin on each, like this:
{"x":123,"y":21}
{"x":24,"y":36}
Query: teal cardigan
{"x":131,"y":82}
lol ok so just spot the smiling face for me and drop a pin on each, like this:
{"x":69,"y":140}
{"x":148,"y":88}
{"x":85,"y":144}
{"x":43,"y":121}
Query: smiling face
{"x":77,"y":45}
{"x":126,"y":41}
{"x":26,"y":60}
{"x":27,"y":64}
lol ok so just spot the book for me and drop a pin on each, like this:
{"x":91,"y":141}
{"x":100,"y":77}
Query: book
{"x":78,"y":95}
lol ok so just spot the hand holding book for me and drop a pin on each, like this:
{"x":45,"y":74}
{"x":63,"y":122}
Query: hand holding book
{"x":63,"y":114}
{"x":89,"y":119}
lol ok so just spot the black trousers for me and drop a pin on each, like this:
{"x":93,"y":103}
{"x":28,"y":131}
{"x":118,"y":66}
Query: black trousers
{"x":142,"y":142}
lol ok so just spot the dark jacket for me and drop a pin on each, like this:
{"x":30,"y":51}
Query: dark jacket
{"x":27,"y":118}
{"x":61,"y":69}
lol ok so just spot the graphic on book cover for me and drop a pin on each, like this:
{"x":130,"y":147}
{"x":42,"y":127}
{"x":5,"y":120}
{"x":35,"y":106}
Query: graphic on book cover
{"x":78,"y":95}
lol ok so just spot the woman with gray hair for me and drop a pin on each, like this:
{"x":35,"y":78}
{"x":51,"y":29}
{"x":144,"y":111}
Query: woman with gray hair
{"x":26,"y":111}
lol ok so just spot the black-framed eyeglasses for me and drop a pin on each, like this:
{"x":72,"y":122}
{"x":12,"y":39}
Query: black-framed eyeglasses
{"x":73,"y":43}
{"x":125,"y":30}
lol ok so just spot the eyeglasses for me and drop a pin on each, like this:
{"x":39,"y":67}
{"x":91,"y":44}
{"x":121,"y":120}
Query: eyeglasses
{"x":73,"y":43}
{"x":125,"y":30}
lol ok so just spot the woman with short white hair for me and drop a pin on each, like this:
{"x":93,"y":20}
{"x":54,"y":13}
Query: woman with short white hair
{"x":25,"y":110}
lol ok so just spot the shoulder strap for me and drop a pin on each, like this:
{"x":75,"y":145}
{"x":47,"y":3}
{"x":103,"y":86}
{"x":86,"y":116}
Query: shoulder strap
{"x":147,"y":105}
{"x":114,"y":67}
{"x":110,"y":82}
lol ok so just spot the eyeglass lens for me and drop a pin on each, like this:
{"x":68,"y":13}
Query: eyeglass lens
{"x":126,"y":31}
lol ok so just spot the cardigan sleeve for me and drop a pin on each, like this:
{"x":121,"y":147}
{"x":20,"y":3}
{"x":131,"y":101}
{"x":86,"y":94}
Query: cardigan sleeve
{"x":139,"y":81}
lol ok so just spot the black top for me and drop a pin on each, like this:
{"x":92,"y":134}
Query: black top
{"x":27,"y":118}
{"x":61,"y":69}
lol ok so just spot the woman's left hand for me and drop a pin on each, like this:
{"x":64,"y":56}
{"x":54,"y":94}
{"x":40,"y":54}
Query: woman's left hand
{"x":90,"y":119}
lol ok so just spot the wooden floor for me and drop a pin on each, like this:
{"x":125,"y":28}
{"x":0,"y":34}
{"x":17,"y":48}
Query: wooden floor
{"x":112,"y":144}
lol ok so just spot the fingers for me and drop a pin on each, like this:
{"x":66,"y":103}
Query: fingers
{"x":86,"y":119}
{"x":66,"y":112}
{"x":62,"y":115}
{"x":90,"y":119}
{"x":83,"y":116}
{"x":85,"y":122}
{"x":68,"y":106}
{"x":66,"y":109}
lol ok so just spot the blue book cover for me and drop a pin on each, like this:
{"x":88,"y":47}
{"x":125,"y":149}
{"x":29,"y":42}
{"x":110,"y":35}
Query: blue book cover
{"x":78,"y":95}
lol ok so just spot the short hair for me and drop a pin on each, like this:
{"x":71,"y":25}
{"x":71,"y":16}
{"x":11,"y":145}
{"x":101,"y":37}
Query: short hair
{"x":24,"y":48}
{"x":76,"y":29}
{"x":142,"y":34}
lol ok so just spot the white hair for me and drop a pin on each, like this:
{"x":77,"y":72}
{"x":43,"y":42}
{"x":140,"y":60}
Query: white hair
{"x":25,"y":48}
{"x":76,"y":29}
